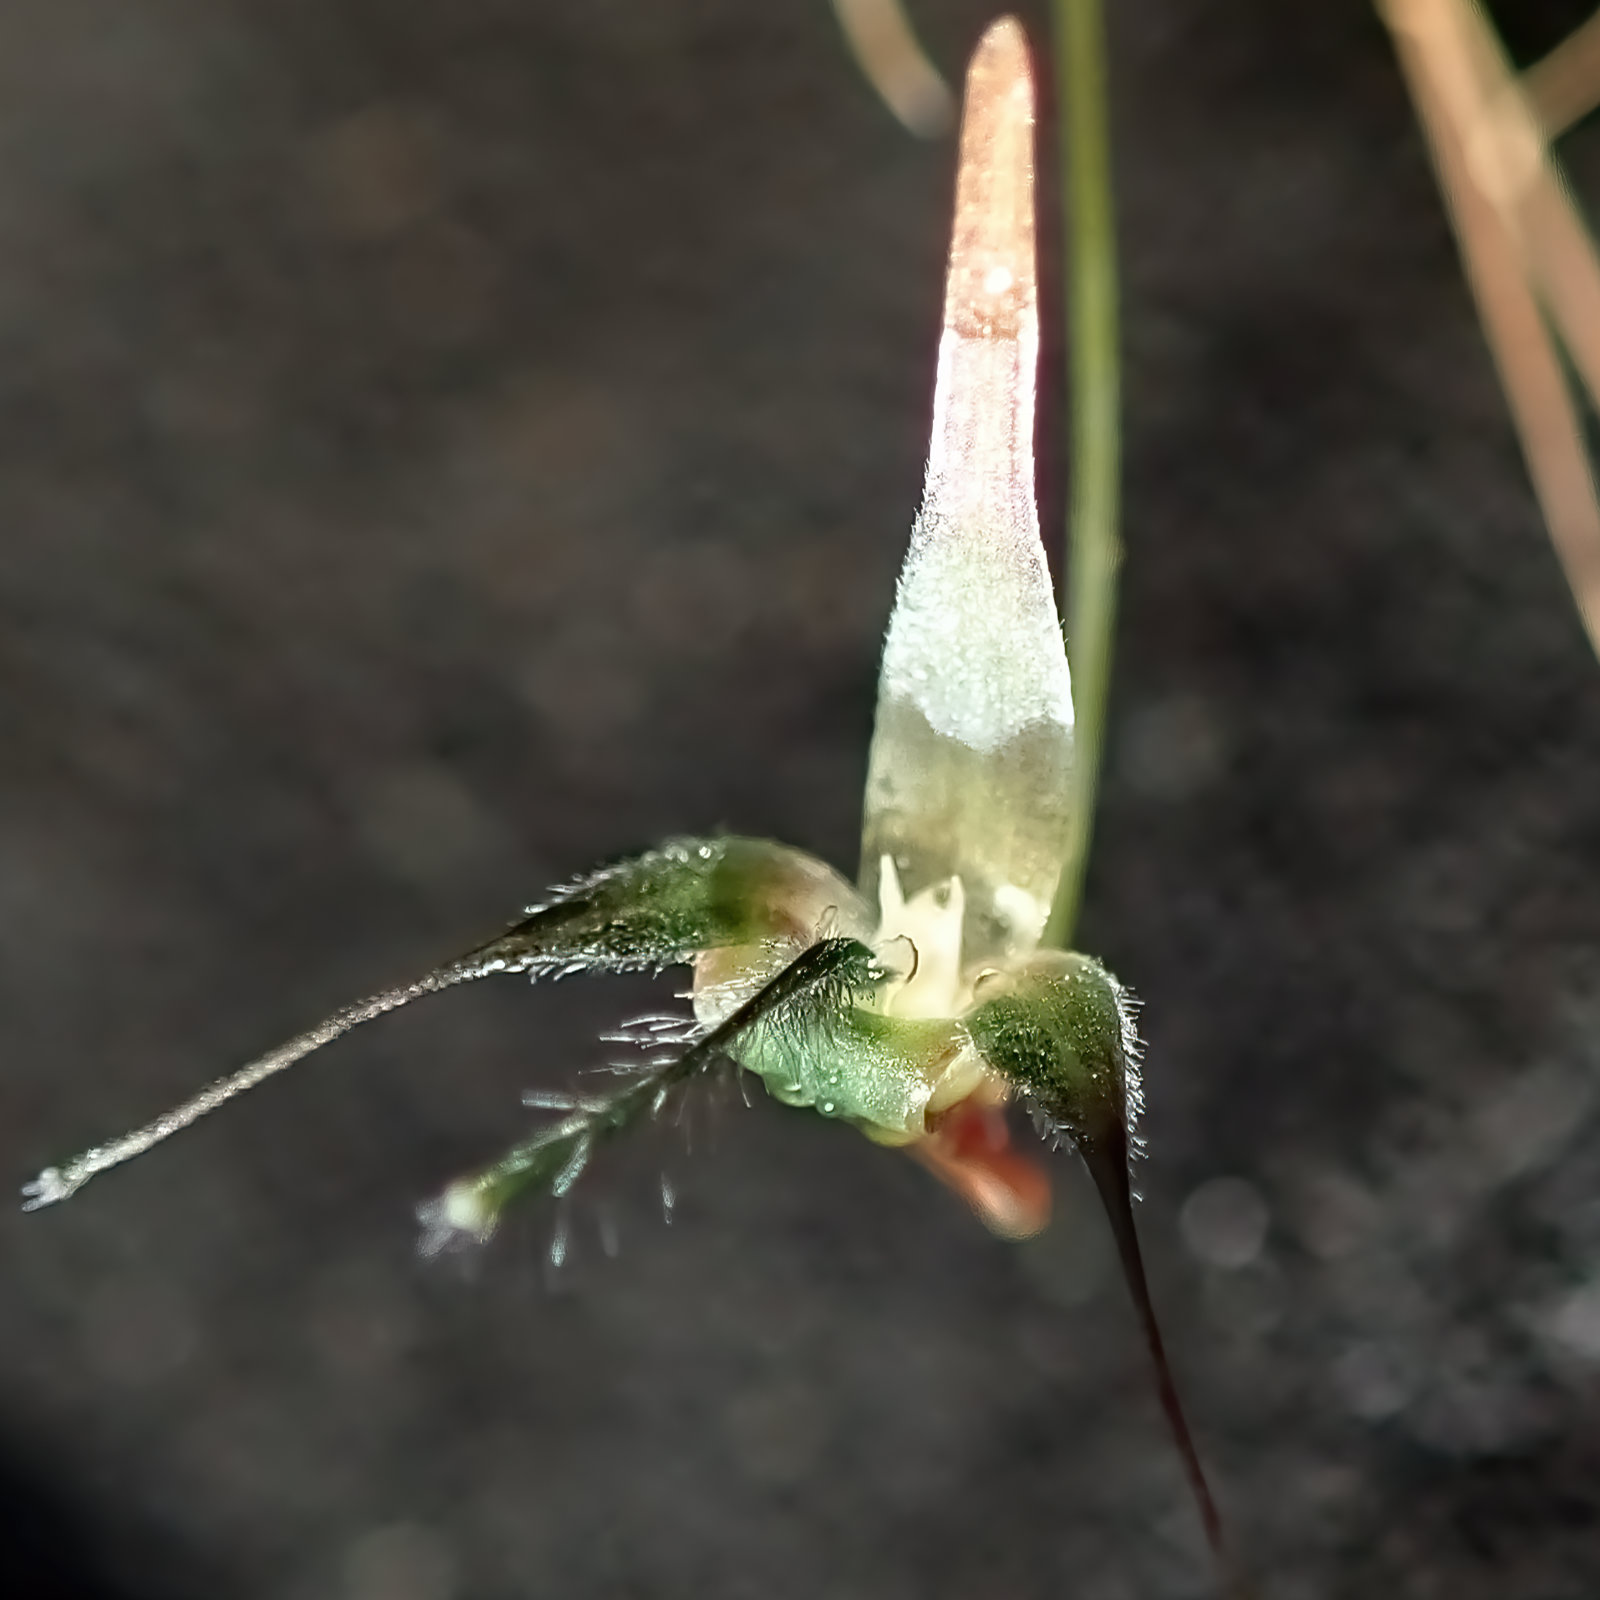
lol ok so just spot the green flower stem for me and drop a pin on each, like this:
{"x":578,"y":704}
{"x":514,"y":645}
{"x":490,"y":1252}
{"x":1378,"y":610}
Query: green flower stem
{"x":1094,"y":548}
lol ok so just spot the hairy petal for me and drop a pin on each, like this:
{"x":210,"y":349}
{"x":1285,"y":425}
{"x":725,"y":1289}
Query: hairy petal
{"x":818,"y":983}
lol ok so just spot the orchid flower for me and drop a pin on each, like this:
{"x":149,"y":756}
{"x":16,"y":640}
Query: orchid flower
{"x":915,"y":1002}
{"x":918,"y":1000}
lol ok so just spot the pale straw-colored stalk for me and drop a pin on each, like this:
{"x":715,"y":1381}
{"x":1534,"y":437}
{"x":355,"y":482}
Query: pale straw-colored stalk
{"x":880,"y":38}
{"x":1564,"y":87}
{"x":1528,"y":257}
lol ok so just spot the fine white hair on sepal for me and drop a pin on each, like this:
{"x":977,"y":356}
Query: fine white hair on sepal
{"x":655,"y":1030}
{"x":585,"y":883}
{"x":562,"y":1183}
{"x":560,"y":1239}
{"x":1129,"y":1005}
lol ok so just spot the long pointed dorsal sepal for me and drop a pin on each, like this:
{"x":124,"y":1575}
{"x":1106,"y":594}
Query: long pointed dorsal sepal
{"x":972,"y":749}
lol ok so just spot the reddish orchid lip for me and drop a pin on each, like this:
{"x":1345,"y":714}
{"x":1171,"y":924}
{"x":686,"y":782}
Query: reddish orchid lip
{"x":969,"y":1149}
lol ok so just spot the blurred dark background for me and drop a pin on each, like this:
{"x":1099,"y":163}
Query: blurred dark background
{"x":444,"y":445}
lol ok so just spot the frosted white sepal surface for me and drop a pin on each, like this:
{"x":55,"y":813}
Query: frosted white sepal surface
{"x":975,"y":639}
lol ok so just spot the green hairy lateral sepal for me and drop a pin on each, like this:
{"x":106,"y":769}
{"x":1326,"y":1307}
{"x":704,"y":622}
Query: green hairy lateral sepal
{"x":1062,"y":1029}
{"x":663,"y":908}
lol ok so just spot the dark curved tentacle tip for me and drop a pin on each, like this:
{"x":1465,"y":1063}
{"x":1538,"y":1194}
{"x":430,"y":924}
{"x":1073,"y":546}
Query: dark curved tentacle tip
{"x":1105,"y":1154}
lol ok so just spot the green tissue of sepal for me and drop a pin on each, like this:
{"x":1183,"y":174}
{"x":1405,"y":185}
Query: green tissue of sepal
{"x":872,"y":1070}
{"x":1060,"y":1029}
{"x":661,"y":908}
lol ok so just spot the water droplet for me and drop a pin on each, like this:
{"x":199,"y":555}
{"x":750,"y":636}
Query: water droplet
{"x":1375,"y":1380}
{"x":1224,"y":1222}
{"x":402,"y":1561}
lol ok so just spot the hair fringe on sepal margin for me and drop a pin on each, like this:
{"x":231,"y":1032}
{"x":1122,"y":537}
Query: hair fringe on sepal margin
{"x":1057,"y":1135}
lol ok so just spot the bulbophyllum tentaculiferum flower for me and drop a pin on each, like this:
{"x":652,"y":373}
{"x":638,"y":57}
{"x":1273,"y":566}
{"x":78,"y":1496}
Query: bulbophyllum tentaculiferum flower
{"x":915,"y":1002}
